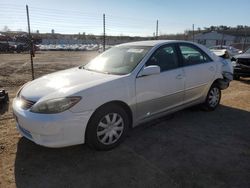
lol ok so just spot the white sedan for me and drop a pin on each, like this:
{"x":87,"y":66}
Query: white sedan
{"x":126,"y":85}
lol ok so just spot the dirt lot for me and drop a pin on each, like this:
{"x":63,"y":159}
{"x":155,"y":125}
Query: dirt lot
{"x":191,"y":148}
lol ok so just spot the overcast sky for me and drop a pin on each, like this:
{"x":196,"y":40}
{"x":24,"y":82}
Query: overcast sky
{"x":124,"y":17}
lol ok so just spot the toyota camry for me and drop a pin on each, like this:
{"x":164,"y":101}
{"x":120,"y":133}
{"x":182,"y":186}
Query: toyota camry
{"x":127,"y":85}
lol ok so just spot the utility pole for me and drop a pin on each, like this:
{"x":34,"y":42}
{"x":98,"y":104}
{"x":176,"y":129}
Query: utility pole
{"x":223,"y":36}
{"x":30,"y":43}
{"x":222,"y":40}
{"x":193,"y":32}
{"x":156,"y":33}
{"x":104,"y":34}
{"x":245,"y":38}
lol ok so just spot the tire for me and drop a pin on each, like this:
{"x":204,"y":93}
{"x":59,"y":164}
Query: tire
{"x":213,"y":98}
{"x":107,"y":127}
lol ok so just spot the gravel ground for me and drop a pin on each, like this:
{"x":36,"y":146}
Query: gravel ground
{"x":190,"y":148}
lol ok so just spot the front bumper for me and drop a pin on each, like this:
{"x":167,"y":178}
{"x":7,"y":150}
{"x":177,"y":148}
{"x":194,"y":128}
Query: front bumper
{"x":52,"y":130}
{"x":239,"y":71}
{"x":224,"y":83}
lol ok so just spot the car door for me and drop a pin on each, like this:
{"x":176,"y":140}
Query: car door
{"x":199,"y":70}
{"x":160,"y":92}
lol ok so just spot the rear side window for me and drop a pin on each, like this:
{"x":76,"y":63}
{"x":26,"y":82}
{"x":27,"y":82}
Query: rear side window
{"x":165,"y":57}
{"x":191,"y":55}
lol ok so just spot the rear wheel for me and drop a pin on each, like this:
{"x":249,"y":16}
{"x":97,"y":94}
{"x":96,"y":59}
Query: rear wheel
{"x":213,"y":98}
{"x":107,"y":127}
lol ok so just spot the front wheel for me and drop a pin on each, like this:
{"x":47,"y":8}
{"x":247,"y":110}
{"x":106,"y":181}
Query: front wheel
{"x":107,"y":128}
{"x":213,"y":98}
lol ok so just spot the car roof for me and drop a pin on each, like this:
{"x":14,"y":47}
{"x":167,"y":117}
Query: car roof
{"x":151,"y":43}
{"x":223,"y":47}
{"x":157,"y":43}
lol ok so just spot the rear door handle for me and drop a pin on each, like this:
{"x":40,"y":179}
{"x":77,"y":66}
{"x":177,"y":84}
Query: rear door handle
{"x":179,"y":76}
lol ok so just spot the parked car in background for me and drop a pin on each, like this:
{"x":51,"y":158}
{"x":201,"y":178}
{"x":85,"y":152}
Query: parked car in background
{"x":4,"y":97}
{"x":225,"y":51}
{"x":121,"y":88}
{"x":241,"y":65}
{"x":22,"y":47}
{"x":6,"y":47}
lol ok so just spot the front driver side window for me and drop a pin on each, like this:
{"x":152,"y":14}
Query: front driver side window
{"x":165,"y":58}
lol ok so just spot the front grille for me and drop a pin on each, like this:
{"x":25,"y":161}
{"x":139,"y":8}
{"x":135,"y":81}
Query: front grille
{"x":244,"y":62}
{"x":26,"y":104}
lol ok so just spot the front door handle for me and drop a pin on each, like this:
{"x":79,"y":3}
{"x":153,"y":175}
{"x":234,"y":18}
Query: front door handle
{"x":211,"y":68}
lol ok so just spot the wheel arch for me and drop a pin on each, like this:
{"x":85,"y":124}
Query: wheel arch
{"x":122,"y":104}
{"x":221,"y":83}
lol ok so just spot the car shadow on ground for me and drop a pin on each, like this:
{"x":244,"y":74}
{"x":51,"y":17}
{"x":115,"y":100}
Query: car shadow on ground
{"x":193,"y":148}
{"x":245,"y":81}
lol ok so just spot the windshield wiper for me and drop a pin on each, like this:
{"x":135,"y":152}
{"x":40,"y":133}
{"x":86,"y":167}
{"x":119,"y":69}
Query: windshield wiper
{"x":83,"y":67}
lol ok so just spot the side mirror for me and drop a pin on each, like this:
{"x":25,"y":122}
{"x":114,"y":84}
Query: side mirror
{"x":150,"y":70}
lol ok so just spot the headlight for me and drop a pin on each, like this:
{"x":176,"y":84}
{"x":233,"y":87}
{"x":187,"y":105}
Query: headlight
{"x":234,"y":63}
{"x":54,"y":106}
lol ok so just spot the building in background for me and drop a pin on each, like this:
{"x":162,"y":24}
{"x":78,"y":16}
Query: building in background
{"x":214,"y":38}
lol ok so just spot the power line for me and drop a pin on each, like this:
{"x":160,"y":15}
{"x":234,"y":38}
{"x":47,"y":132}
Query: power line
{"x":74,"y":21}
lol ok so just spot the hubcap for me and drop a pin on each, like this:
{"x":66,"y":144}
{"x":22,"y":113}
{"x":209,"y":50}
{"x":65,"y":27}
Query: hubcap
{"x":214,"y":97}
{"x":110,"y":128}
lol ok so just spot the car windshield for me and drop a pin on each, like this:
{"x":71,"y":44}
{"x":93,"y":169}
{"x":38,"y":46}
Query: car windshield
{"x":118,"y":60}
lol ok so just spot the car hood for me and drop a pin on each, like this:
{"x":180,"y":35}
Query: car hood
{"x":64,"y":83}
{"x":243,"y":56}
